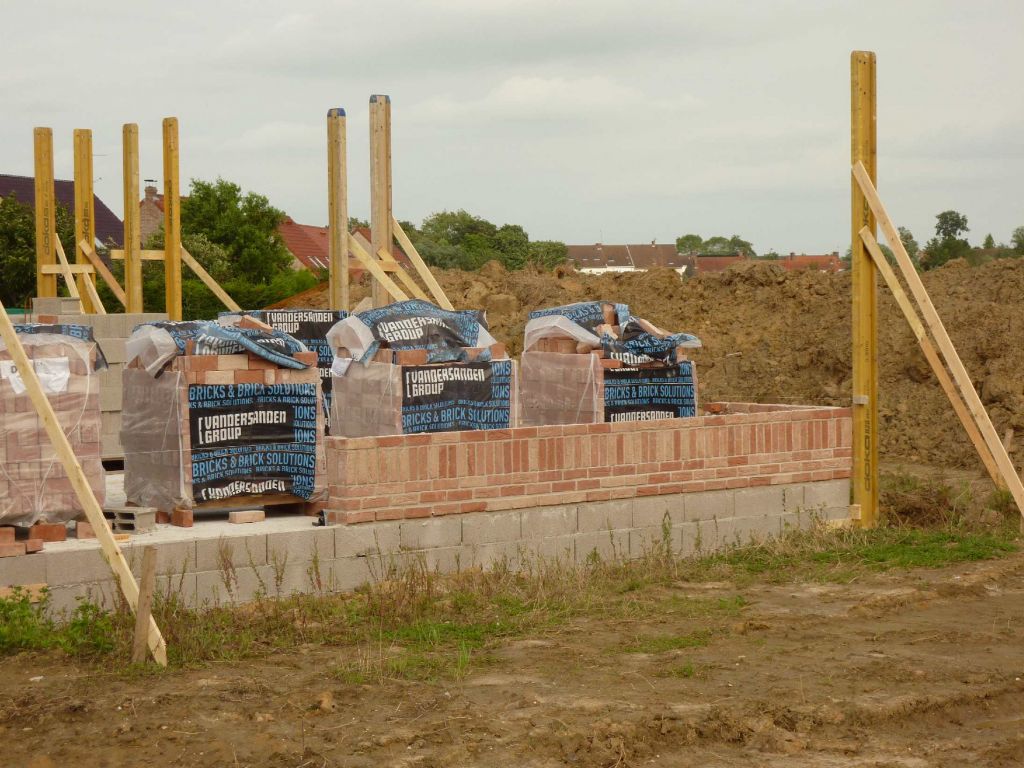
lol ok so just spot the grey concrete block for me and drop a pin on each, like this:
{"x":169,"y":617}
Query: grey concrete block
{"x":548,"y":522}
{"x":828,"y":493}
{"x":44,"y":305}
{"x":113,"y":350}
{"x":757,"y":530}
{"x":651,"y":510}
{"x":605,"y":515}
{"x":236,"y":551}
{"x":65,"y":599}
{"x":183,"y":586}
{"x":686,"y":537}
{"x":715,"y":534}
{"x":111,"y":397}
{"x":366,"y":538}
{"x":608,"y":545}
{"x":24,"y":569}
{"x":234,"y":587}
{"x":554,"y":550}
{"x":495,"y":554}
{"x":346,"y":574}
{"x":434,"y":560}
{"x":758,"y":502}
{"x":111,"y":326}
{"x":431,"y":532}
{"x":649,"y":539}
{"x":292,"y":547}
{"x":490,"y":527}
{"x":171,"y":557}
{"x":75,"y":566}
{"x":792,"y":497}
{"x":708,"y":505}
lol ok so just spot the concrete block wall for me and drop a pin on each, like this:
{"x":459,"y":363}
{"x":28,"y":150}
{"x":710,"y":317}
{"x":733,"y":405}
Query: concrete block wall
{"x":219,"y":563}
{"x":111,"y":332}
{"x":737,"y":446}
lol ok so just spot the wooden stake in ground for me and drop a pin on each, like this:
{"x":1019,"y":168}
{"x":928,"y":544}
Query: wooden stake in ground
{"x":942,"y":340}
{"x":380,"y":184}
{"x":172,"y":221}
{"x":93,"y":512}
{"x":132,"y":230}
{"x":46,"y":216}
{"x":145,"y":607}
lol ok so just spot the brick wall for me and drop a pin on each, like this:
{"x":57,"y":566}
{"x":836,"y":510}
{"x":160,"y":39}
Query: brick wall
{"x":736,"y":446}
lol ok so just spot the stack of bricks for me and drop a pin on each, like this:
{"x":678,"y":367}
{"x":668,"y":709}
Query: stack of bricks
{"x":111,"y":331}
{"x":33,"y":484}
{"x":565,"y":381}
{"x":369,"y":401}
{"x":738,"y":446}
{"x":158,"y":427}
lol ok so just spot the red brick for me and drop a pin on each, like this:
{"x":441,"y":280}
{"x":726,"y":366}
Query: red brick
{"x":12,"y":549}
{"x":336,"y":516}
{"x":33,"y":545}
{"x":48,"y":531}
{"x":182,"y":517}
{"x":6,"y":534}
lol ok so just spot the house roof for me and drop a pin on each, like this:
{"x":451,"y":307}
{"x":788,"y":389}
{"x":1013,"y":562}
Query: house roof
{"x":629,"y":256}
{"x":309,"y":244}
{"x":109,"y":228}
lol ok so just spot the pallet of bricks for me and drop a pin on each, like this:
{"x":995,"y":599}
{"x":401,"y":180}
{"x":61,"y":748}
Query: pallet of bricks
{"x":310,"y":326}
{"x":596,"y":362}
{"x":111,"y":332}
{"x":412,"y":367}
{"x":218,"y":417}
{"x":37,"y":499}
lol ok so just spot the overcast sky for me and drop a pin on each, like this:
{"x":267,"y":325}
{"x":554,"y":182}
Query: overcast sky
{"x":582,"y":121}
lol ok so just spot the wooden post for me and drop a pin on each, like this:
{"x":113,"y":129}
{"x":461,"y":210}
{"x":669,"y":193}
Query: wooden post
{"x":46,"y":216}
{"x":172,"y":220}
{"x":863,"y":148}
{"x":145,"y":607}
{"x":93,"y":512}
{"x":132,"y":230}
{"x":337,"y":207}
{"x":380,"y":183}
{"x":85,"y":215}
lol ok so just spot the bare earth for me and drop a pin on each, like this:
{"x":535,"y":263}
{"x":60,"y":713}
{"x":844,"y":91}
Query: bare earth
{"x":922,"y":668}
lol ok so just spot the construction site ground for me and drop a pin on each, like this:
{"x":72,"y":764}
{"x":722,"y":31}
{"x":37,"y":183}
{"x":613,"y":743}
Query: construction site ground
{"x":834,"y":649}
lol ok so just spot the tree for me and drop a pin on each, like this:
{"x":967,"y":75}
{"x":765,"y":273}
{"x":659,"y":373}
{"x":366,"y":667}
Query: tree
{"x":950,"y":225}
{"x":512,"y":242}
{"x":739,"y":245}
{"x":245,"y":226}
{"x":18,"y":250}
{"x":689,"y":243}
{"x":947,"y":243}
{"x":910,"y":245}
{"x":1017,"y":238}
{"x":989,"y":242}
{"x":548,"y":253}
{"x":718,"y":245}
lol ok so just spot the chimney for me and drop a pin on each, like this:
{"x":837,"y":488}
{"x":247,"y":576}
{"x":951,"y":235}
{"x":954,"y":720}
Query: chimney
{"x":150,"y":193}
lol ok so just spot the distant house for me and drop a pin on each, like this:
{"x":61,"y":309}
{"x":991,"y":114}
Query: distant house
{"x":151,"y":213}
{"x":829,"y":262}
{"x":599,"y":258}
{"x":310,"y":248}
{"x":826,"y":262}
{"x":109,"y":228}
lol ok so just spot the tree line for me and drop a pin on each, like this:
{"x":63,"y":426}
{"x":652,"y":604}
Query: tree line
{"x":234,"y":235}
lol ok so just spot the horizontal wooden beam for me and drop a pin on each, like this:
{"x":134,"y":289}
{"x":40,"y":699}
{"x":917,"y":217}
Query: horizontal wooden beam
{"x":147,"y":255}
{"x":75,"y":269}
{"x":374,"y":268}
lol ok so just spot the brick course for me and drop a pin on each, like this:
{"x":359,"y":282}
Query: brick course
{"x":738,"y":445}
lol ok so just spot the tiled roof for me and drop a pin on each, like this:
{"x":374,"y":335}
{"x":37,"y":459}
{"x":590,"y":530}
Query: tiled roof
{"x":309,"y":244}
{"x":109,"y":228}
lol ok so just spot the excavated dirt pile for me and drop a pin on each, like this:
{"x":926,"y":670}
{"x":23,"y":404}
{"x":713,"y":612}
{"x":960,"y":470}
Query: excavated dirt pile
{"x":775,"y":336}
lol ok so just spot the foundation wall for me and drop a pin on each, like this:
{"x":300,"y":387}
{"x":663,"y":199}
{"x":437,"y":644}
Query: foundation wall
{"x":742,"y":446}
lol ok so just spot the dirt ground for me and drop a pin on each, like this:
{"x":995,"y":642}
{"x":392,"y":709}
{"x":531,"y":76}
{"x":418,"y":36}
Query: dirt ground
{"x":775,"y":336}
{"x":921,"y":668}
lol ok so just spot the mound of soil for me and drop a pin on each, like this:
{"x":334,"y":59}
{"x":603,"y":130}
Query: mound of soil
{"x":776,"y":336}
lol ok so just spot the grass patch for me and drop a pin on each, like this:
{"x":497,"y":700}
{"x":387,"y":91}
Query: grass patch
{"x":665,"y":643}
